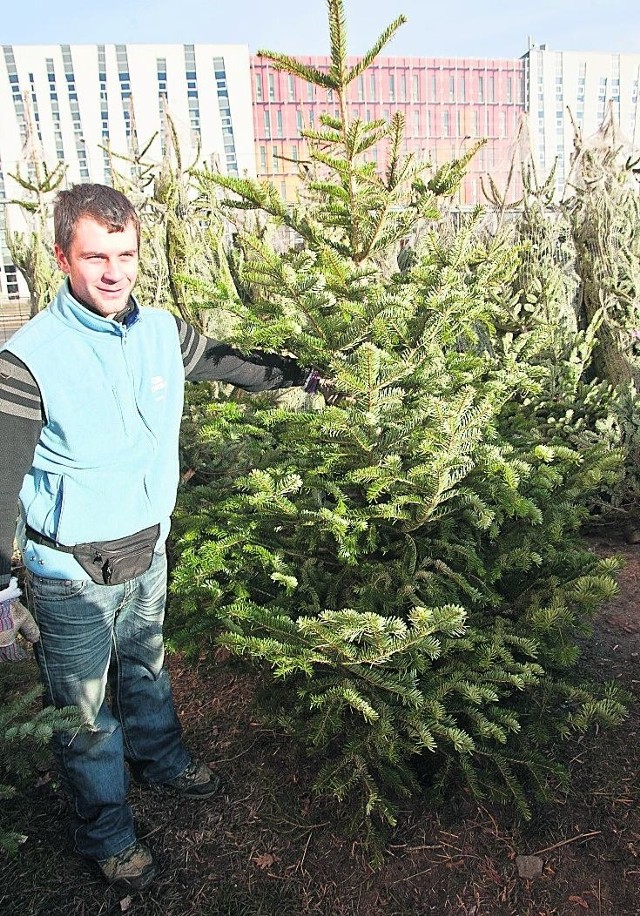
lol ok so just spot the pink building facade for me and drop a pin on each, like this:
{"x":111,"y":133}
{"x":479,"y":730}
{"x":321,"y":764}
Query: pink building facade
{"x":448,"y":103}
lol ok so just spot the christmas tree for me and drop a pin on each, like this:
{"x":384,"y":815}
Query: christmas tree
{"x":401,"y":559}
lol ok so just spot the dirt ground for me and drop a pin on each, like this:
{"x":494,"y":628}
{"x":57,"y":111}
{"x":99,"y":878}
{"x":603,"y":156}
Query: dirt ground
{"x":266,"y":847}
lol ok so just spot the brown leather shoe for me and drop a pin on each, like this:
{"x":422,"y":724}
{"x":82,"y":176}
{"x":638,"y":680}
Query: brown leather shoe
{"x":132,"y":869}
{"x":197,"y":781}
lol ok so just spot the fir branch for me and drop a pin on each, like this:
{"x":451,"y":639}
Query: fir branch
{"x":297,"y":68}
{"x":371,"y":55}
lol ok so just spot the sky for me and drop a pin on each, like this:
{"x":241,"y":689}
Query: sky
{"x":466,"y":28}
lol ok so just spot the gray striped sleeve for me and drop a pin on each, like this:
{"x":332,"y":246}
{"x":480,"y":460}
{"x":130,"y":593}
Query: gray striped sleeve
{"x":19,"y":392}
{"x":21,"y":418}
{"x":206,"y":359}
{"x":192,"y":345}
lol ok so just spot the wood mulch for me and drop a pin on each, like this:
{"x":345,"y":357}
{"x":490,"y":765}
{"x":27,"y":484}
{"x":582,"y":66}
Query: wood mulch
{"x":268,"y":847}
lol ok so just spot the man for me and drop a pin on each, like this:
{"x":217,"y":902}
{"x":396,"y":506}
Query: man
{"x":91,"y":394}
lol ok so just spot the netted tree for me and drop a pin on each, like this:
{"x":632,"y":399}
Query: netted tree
{"x":605,"y":219}
{"x":183,"y":264}
{"x":604,"y":214}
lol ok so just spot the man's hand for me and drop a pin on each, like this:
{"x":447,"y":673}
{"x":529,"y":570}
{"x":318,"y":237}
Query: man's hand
{"x":14,"y":619}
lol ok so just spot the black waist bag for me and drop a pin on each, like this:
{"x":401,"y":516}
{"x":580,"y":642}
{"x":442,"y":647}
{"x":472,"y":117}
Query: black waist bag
{"x":109,"y":562}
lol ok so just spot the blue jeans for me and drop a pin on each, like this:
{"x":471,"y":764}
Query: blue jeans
{"x":95,"y":637}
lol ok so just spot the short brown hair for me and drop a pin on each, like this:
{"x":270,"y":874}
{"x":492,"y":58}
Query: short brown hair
{"x":100,"y":202}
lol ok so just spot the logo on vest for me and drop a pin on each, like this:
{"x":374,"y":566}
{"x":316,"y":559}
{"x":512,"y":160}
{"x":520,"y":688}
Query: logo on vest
{"x":158,"y":386}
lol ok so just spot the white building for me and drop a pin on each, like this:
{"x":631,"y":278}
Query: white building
{"x":587,"y":84}
{"x":72,"y":100}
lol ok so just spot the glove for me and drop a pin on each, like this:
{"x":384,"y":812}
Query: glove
{"x":316,"y":384}
{"x":14,"y":619}
{"x":312,"y":383}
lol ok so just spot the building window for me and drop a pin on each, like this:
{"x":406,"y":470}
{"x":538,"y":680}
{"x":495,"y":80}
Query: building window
{"x":452,"y":88}
{"x":492,"y":89}
{"x":481,"y":88}
{"x":415,"y":92}
{"x":192,"y":91}
{"x":434,"y":88}
{"x":81,"y":151}
{"x":279,"y":122}
{"x":392,"y":87}
{"x":12,"y":281}
{"x":272,"y":87}
{"x":509,"y":90}
{"x":258,"y":79}
{"x":361,"y":88}
{"x":220,"y":73}
{"x":445,"y":124}
{"x":291,"y":83}
{"x":463,"y":88}
{"x":276,"y":159}
{"x":263,"y":159}
{"x":267,"y":124}
{"x":372,"y":87}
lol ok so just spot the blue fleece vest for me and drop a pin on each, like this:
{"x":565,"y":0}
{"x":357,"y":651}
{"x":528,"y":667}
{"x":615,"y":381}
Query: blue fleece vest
{"x":106,"y":463}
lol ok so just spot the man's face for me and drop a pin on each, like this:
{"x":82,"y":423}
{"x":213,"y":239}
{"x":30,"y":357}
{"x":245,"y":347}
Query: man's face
{"x":102,"y":266}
